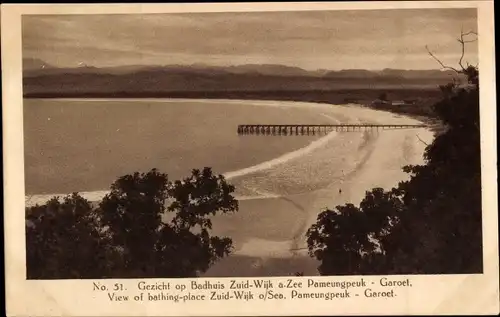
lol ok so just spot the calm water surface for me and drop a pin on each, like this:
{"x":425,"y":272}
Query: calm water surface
{"x":84,"y":145}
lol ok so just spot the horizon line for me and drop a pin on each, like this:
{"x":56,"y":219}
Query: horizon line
{"x":195,"y":65}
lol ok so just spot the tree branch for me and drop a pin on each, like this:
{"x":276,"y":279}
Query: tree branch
{"x":469,"y":33}
{"x":421,"y":140}
{"x":440,"y":63}
{"x":462,"y":42}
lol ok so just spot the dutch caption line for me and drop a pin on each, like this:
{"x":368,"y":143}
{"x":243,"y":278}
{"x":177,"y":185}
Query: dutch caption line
{"x":252,"y":290}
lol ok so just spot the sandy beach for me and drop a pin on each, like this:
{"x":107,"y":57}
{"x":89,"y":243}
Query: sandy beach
{"x":269,"y":233}
{"x":281,"y":196}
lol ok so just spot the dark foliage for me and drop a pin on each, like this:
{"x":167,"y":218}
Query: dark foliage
{"x":127,"y":234}
{"x":383,"y":96}
{"x":63,"y":240}
{"x":430,"y":224}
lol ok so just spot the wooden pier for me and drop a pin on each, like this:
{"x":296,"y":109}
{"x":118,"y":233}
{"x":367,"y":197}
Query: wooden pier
{"x":313,"y":129}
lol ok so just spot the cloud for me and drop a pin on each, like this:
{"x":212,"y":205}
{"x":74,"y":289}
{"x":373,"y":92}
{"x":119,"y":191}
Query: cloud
{"x":376,"y":38}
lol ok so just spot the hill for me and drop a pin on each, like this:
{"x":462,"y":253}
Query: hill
{"x":41,"y":79}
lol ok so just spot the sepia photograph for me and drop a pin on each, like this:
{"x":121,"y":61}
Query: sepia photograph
{"x":252,"y":144}
{"x":250,"y":159}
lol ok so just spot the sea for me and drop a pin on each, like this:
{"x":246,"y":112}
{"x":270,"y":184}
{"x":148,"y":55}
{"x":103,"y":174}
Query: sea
{"x":282,"y":182}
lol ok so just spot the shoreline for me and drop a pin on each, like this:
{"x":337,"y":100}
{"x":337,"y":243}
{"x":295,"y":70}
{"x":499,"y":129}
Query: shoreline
{"x":433,"y":123}
{"x":97,"y":195}
{"x":264,"y":254}
{"x":368,"y":171}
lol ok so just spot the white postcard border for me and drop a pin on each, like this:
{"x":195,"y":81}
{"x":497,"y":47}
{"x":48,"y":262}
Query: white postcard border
{"x":438,"y":294}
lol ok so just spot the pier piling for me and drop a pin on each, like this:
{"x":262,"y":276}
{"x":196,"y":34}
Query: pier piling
{"x":313,"y":129}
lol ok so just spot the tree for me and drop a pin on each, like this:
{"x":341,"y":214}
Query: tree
{"x":128,"y":234}
{"x":383,"y":96}
{"x":430,"y":224}
{"x":339,"y":240}
{"x":63,"y":240}
{"x":347,"y":238}
{"x":183,"y":247}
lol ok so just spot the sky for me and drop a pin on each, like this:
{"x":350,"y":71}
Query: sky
{"x":360,"y":39}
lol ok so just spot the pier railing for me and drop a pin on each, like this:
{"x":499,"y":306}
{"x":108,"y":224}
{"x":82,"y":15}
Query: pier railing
{"x":313,"y":129}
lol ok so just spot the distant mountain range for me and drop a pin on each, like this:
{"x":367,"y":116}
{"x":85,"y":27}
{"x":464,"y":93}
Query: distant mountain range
{"x":41,"y":78}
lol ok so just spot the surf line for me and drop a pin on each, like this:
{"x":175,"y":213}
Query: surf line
{"x":285,"y":157}
{"x":282,"y":159}
{"x":278,"y":161}
{"x":93,"y":196}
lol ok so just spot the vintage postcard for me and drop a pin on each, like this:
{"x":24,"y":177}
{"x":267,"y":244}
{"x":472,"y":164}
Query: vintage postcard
{"x":250,"y":159}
